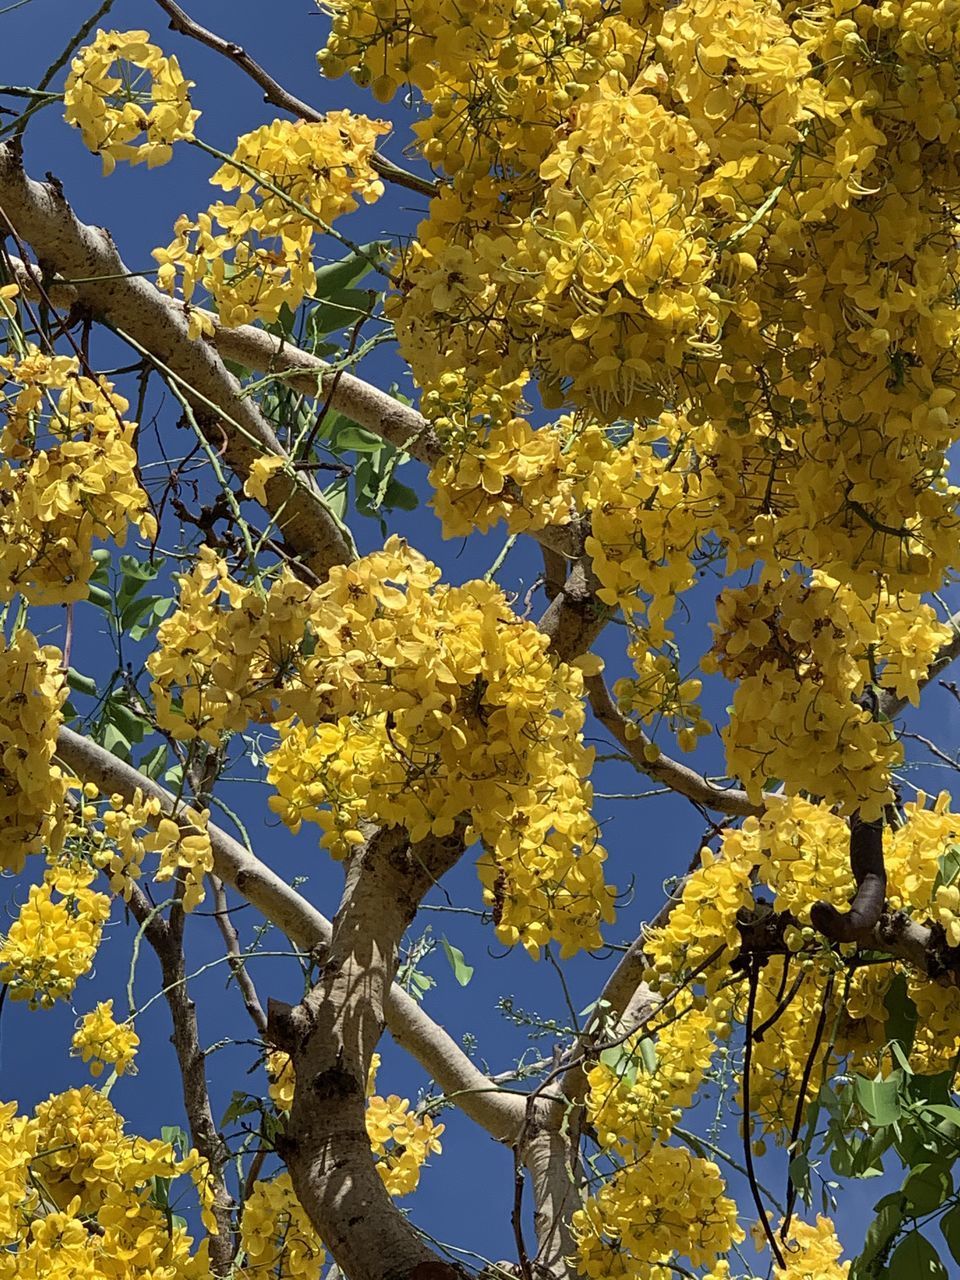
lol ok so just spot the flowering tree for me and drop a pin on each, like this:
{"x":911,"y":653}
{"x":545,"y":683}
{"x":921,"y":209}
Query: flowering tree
{"x":684,"y":302}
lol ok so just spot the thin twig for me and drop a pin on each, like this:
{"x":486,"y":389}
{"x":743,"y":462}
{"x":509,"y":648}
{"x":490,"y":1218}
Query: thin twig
{"x":754,"y":977}
{"x":235,"y":959}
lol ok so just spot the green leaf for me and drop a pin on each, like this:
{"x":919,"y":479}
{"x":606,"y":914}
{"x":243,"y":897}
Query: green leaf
{"x":115,"y":742}
{"x":132,"y":725}
{"x":927,"y":1187}
{"x":98,"y":596}
{"x":240,"y":1105}
{"x":947,"y":1114}
{"x":80,"y":683}
{"x":919,"y":1143}
{"x":868,"y":1162}
{"x":901,"y":1014}
{"x":880,"y":1099}
{"x":340,"y":310}
{"x":135,"y":574}
{"x":462,"y":971}
{"x":881,"y":1231}
{"x":153,"y":761}
{"x":174,"y":776}
{"x":950,"y":1226}
{"x":949,"y":863}
{"x":336,"y":498}
{"x":351,"y":269}
{"x":799,"y":1169}
{"x":915,"y":1259}
{"x":400,"y":497}
{"x":348,"y":437}
{"x":621,"y":1062}
{"x":928,"y":1089}
{"x":648,"y":1055}
{"x":176,"y":1136}
{"x":160,"y":607}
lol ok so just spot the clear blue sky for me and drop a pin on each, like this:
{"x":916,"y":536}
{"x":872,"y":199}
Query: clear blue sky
{"x":649,"y":840}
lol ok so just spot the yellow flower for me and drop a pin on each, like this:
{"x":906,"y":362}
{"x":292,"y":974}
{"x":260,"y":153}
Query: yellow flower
{"x":261,"y":469}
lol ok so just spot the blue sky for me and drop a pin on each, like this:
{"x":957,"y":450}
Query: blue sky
{"x":649,"y":841}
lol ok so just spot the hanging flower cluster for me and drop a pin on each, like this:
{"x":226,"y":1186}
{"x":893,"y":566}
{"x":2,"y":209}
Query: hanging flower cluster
{"x":294,"y":178}
{"x":106,"y":98}
{"x":102,"y":1042}
{"x":55,"y":936}
{"x":402,"y":702}
{"x":804,"y":657}
{"x":68,"y":475}
{"x":32,"y":788}
{"x":276,"y":1235}
{"x":77,"y":1196}
{"x":666,"y":1204}
{"x":130,"y":829}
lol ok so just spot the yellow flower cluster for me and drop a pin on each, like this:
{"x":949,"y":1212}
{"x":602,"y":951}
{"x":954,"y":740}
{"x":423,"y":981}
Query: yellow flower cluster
{"x":703,"y":923}
{"x":276,"y":1236}
{"x":67,"y":476}
{"x":55,"y":936}
{"x":18,"y":1148}
{"x":813,"y":1252}
{"x":101,"y":1041}
{"x":937,"y":1043}
{"x":801,"y":851}
{"x":133,"y":828}
{"x":737,"y":212}
{"x":507,"y":472}
{"x":650,"y":503}
{"x":667,"y":1204}
{"x":294,"y":178}
{"x":789,"y":1043}
{"x":77,"y":1196}
{"x":32,"y":788}
{"x":659,"y":693}
{"x":912,"y":854}
{"x":803,"y":656}
{"x":401,"y":1140}
{"x":105,"y":99}
{"x":631,"y":1108}
{"x":405,"y":703}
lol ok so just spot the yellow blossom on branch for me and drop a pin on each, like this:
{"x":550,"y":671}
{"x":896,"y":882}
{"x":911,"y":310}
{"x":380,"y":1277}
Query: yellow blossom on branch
{"x":106,"y":98}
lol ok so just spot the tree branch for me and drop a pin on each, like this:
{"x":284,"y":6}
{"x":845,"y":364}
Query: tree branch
{"x":500,"y":1114}
{"x":266,"y":353}
{"x":237,"y":965}
{"x":678,"y":777}
{"x":41,"y":216}
{"x":866,"y":863}
{"x":331,"y":1037}
{"x":166,"y":939}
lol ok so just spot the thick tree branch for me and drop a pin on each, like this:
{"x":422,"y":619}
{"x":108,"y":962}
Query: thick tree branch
{"x":678,"y":777}
{"x":574,"y":617}
{"x":500,"y":1114}
{"x":274,"y":92}
{"x":40,"y":215}
{"x":331,"y":1037}
{"x":866,"y":863}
